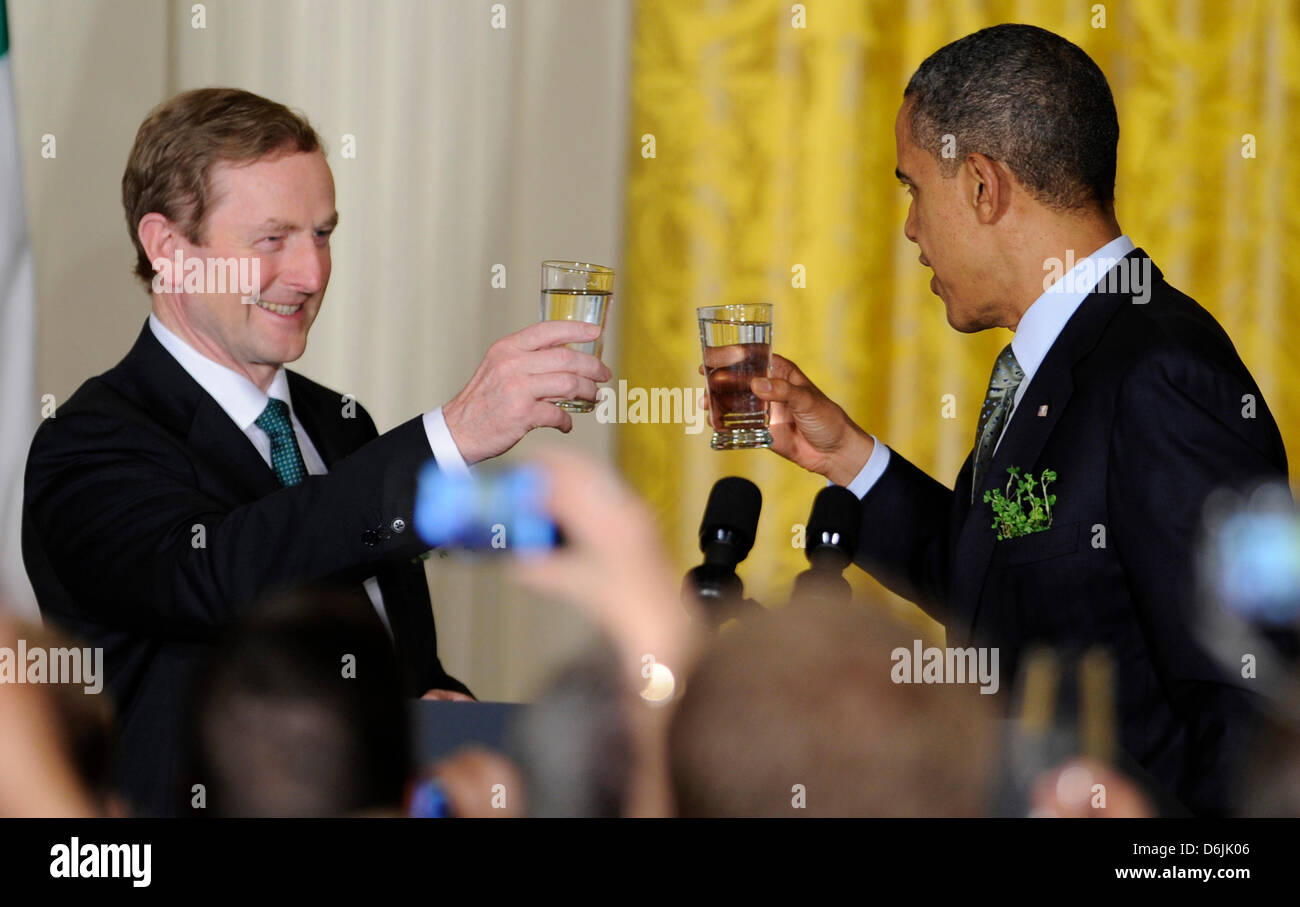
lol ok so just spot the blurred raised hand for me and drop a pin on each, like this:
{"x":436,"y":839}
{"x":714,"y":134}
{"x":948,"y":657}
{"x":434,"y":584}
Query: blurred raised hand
{"x":612,"y":564}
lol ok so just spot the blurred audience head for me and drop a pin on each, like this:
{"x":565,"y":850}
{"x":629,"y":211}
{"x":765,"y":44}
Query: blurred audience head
{"x":1270,"y":785}
{"x":795,"y":714}
{"x":300,"y":713}
{"x":574,"y":744}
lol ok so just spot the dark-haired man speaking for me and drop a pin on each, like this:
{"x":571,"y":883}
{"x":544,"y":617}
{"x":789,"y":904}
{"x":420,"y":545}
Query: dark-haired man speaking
{"x":1125,"y":388}
{"x":198,"y":475}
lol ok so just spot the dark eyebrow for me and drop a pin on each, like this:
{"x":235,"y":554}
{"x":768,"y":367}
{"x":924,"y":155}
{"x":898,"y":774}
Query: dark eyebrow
{"x":903,"y":177}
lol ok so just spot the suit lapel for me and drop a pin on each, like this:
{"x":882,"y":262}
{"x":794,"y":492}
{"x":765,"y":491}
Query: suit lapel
{"x":314,"y":415}
{"x":228,"y":452}
{"x":1025,"y":436}
{"x":170,"y":395}
{"x":1022,"y":444}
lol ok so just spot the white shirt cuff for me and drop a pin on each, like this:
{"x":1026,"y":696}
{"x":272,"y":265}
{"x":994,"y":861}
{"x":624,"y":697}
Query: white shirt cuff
{"x":871,"y":473}
{"x":443,"y":444}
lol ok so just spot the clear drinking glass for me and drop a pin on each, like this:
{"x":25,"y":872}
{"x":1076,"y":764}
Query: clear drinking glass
{"x":575,"y":291}
{"x":736,"y":342}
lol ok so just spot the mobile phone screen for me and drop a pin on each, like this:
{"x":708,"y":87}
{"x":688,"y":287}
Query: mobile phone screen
{"x":1256,"y":573}
{"x":490,"y":510}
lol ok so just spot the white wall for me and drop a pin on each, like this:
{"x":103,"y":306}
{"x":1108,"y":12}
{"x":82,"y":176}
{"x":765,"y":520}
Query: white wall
{"x":474,"y":146}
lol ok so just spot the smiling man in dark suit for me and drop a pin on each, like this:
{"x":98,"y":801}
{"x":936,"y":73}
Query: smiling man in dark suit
{"x":1125,"y":388}
{"x":199,"y":475}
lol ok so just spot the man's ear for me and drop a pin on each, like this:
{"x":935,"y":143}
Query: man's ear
{"x":988,"y":187}
{"x":158,"y":235}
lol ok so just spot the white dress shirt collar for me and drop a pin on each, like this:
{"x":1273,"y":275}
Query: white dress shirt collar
{"x":1044,"y":320}
{"x":1038,"y":329}
{"x":241,"y":399}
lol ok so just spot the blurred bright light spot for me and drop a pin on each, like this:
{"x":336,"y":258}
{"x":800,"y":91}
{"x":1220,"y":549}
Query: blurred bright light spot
{"x":660,"y":687}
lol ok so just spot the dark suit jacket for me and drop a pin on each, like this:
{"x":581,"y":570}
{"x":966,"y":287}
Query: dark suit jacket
{"x":1144,"y":418}
{"x":150,"y":521}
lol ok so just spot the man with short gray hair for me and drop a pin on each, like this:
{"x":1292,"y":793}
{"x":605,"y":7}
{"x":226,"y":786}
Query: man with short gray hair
{"x":1117,"y":407}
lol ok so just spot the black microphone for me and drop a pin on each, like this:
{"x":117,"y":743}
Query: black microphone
{"x":726,"y":537}
{"x":831,"y":540}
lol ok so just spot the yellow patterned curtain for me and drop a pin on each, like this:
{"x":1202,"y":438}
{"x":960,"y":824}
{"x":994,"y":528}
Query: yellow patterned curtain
{"x":761,"y":169}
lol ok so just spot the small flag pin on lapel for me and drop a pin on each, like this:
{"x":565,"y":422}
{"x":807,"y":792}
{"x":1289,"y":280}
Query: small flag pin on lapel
{"x":1042,"y":411}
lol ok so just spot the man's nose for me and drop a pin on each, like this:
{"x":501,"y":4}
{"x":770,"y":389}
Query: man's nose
{"x":306,"y":267}
{"x":909,"y":225}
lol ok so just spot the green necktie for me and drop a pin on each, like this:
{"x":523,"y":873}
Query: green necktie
{"x":286,"y":459}
{"x":998,"y":402}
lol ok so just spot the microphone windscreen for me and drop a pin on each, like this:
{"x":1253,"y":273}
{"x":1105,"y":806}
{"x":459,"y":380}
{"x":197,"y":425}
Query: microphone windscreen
{"x":734,"y":505}
{"x":834,"y":522}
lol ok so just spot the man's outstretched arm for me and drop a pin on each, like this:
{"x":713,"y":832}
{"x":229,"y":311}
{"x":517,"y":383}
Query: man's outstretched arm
{"x":905,"y":512}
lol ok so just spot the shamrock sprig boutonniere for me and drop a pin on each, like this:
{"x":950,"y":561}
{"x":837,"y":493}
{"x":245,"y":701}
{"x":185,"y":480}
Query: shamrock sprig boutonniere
{"x":1020,"y":510}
